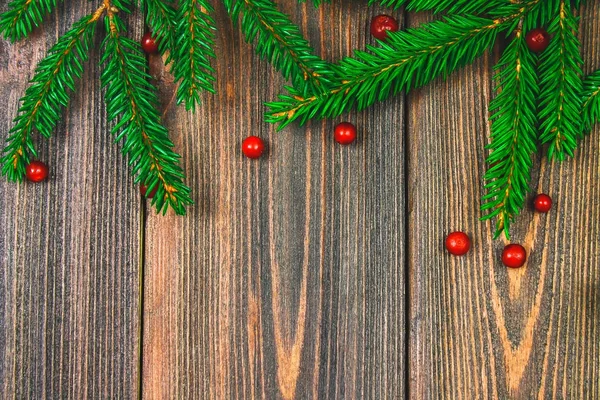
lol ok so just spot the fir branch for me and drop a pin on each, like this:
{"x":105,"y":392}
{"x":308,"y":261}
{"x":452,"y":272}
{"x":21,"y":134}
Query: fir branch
{"x":280,"y":42}
{"x":23,"y":16}
{"x":193,"y":50}
{"x":561,"y":85}
{"x":161,"y":17}
{"x":408,"y":59}
{"x":513,"y":134}
{"x":591,"y":100}
{"x":48,"y":93}
{"x":133,"y":103}
{"x":450,"y":6}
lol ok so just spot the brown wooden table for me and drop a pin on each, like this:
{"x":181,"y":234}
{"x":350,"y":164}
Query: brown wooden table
{"x":317,"y":271}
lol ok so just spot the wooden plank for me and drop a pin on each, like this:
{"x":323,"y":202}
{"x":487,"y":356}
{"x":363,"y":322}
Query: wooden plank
{"x":478,"y":329}
{"x":69,"y":248}
{"x":287,"y":277}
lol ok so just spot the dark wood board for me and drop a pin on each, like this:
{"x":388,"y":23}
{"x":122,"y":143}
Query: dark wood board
{"x":286,"y":280}
{"x":478,"y":329}
{"x":69,"y":247}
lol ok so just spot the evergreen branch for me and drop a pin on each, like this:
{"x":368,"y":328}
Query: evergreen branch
{"x":408,"y":59}
{"x":161,"y":17}
{"x":48,"y":93}
{"x":513,"y":134}
{"x":132,"y":101}
{"x":591,"y":100}
{"x":281,"y":43}
{"x":193,"y":50}
{"x":22,"y":16}
{"x":561,"y":86}
{"x":478,"y":7}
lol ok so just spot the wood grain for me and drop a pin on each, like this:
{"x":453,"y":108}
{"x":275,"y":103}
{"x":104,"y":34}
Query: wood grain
{"x":286,"y":280}
{"x":69,"y":248}
{"x":478,"y":329}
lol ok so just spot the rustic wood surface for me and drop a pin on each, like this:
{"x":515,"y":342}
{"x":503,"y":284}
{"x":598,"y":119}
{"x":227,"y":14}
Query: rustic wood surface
{"x":69,"y":249}
{"x":317,"y":271}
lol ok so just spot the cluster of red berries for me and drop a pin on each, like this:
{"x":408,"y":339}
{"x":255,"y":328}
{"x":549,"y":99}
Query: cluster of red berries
{"x":514,"y":255}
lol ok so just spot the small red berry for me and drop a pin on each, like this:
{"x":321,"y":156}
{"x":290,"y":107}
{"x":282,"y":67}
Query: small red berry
{"x":36,"y":171}
{"x":144,"y":190}
{"x":381,"y":24}
{"x":345,"y":133}
{"x":253,"y":146}
{"x":537,"y":40}
{"x":458,"y":243}
{"x":542,"y":203}
{"x":149,"y":43}
{"x":514,"y":256}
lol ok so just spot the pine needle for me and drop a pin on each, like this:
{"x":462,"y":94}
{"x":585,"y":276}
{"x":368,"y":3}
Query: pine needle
{"x":23,"y":16}
{"x":591,"y":100}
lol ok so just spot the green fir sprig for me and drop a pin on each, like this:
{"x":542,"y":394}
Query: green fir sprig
{"x":48,"y":94}
{"x":561,"y":85}
{"x":513,"y":134}
{"x":193,"y":50}
{"x":23,"y":16}
{"x":280,"y":42}
{"x":133,"y":104}
{"x":591,"y":100}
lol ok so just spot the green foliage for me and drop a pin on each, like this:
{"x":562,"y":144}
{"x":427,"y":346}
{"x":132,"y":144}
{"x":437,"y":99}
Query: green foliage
{"x":133,"y":104}
{"x":192,"y":52}
{"x":48,"y":93}
{"x":561,"y":85}
{"x":22,"y":16}
{"x":449,"y":6}
{"x":513,"y":134}
{"x":408,"y":59}
{"x":280,"y":42}
{"x":160,"y":18}
{"x":591,"y":100}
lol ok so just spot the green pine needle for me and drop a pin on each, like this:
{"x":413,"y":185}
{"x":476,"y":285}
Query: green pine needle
{"x":513,"y":134}
{"x":408,"y":59}
{"x":280,"y":42}
{"x":193,"y":50}
{"x":23,"y":16}
{"x":591,"y":100}
{"x":131,"y":101}
{"x":48,"y":93}
{"x":561,"y":85}
{"x":316,"y":3}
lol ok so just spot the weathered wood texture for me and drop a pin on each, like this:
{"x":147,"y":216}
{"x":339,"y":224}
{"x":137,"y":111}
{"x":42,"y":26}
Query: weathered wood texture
{"x":478,"y":329}
{"x":287,"y":277}
{"x":69,"y":248}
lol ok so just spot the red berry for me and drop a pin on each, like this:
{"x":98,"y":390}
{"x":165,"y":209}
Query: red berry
{"x":345,"y":133}
{"x":144,"y":190}
{"x":381,"y":24}
{"x":36,"y":171}
{"x":149,"y":43}
{"x":542,"y":203}
{"x":458,"y":243}
{"x":514,"y":256}
{"x":537,"y":40}
{"x":253,"y":146}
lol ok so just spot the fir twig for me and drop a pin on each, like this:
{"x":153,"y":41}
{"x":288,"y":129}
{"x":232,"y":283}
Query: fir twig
{"x":23,"y":16}
{"x":591,"y":100}
{"x":48,"y":93}
{"x":280,"y":42}
{"x":193,"y":50}
{"x":561,"y":85}
{"x":133,"y":102}
{"x":449,"y":6}
{"x":408,"y":59}
{"x":513,"y":134}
